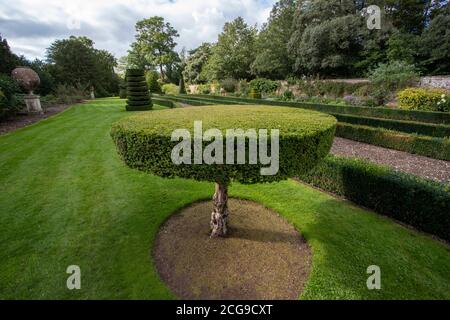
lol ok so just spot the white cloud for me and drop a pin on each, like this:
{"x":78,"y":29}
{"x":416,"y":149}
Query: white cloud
{"x":31,"y":26}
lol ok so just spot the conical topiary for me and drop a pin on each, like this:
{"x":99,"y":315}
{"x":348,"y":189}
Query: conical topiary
{"x":137,"y":91}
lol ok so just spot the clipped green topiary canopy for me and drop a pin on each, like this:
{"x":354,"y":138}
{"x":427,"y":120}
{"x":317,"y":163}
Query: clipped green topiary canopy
{"x":305,"y":137}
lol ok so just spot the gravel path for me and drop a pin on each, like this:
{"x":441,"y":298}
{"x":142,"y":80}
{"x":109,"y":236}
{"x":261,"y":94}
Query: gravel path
{"x":438,"y":170}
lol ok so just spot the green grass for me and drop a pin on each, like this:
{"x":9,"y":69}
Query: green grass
{"x":67,"y":199}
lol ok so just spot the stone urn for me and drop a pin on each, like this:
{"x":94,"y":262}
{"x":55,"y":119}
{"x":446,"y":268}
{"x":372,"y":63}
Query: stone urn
{"x":29,"y":80}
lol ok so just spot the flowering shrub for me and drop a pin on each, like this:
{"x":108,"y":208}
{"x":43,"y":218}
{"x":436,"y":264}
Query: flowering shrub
{"x":424,"y":99}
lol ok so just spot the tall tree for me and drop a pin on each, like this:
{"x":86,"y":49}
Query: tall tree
{"x":273,"y":59}
{"x":8,"y":60}
{"x":327,"y":37}
{"x":435,"y":45}
{"x":234,"y":52}
{"x":75,"y":61}
{"x":155,"y":41}
{"x":195,"y":62}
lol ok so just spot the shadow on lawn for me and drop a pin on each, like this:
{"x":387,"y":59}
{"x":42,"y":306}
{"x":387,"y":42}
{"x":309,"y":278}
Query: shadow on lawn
{"x":348,"y":239}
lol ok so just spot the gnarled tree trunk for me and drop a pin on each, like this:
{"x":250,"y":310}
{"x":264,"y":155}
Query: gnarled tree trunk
{"x":219,"y":217}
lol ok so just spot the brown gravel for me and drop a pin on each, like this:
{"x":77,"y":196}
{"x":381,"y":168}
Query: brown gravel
{"x":262,"y":258}
{"x":23,"y":120}
{"x":438,"y":170}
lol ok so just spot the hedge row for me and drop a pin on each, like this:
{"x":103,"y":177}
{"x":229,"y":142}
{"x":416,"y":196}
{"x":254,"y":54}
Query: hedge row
{"x":437,"y":148}
{"x":426,"y":129}
{"x":420,"y":203}
{"x":165,"y":103}
{"x":384,"y":113}
{"x":184,"y":100}
{"x":211,"y":101}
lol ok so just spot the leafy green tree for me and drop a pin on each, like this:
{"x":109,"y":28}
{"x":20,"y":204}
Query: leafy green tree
{"x":152,"y":81}
{"x":8,"y":60}
{"x":155,"y":42}
{"x":234,"y":52}
{"x":402,"y":47}
{"x":327,"y":37}
{"x":435,"y":45}
{"x":48,"y":84}
{"x":195,"y":62}
{"x":75,"y":62}
{"x":273,"y":59}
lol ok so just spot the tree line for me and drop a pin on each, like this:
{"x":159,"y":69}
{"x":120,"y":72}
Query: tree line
{"x":69,"y":62}
{"x":320,"y":38}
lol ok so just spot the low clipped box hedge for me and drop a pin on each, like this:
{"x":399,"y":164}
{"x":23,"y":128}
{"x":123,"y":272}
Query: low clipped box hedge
{"x":384,"y":113}
{"x":186,"y":100}
{"x":437,"y":148}
{"x":417,"y":202}
{"x":165,"y":103}
{"x":426,"y":129}
{"x":424,"y":99}
{"x":144,"y":141}
{"x":137,"y":91}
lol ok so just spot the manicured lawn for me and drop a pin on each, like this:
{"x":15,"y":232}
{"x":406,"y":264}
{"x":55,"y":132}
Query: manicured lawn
{"x":67,"y":199}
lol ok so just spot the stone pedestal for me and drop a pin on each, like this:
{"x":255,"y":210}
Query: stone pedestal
{"x":33,"y":104}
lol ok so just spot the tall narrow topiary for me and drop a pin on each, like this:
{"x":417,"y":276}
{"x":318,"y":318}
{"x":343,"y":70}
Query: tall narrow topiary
{"x":182,"y":85}
{"x":137,"y":91}
{"x":148,"y":142}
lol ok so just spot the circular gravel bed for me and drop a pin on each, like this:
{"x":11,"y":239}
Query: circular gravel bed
{"x":263,"y":257}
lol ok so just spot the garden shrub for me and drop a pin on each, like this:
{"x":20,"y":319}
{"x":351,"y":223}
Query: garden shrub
{"x":137,"y":91}
{"x":264,"y":86}
{"x":123,"y":91}
{"x":9,"y":88}
{"x":243,"y":88}
{"x":387,"y":79}
{"x":437,"y":148}
{"x":49,"y":100}
{"x":417,"y":202}
{"x":424,"y":99}
{"x":313,"y":88}
{"x":3,"y":103}
{"x":170,"y":88}
{"x":229,"y":85}
{"x":254,"y":94}
{"x":145,"y":141}
{"x":204,"y":88}
{"x":68,"y":94}
{"x":287,"y":96}
{"x":182,"y":85}
{"x":153,"y":84}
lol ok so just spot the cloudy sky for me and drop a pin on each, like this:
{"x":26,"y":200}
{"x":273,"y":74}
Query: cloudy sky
{"x":30,"y":26}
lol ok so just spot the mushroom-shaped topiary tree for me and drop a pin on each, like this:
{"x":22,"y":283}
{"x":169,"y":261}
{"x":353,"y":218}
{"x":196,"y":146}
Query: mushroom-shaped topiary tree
{"x":223,"y":149}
